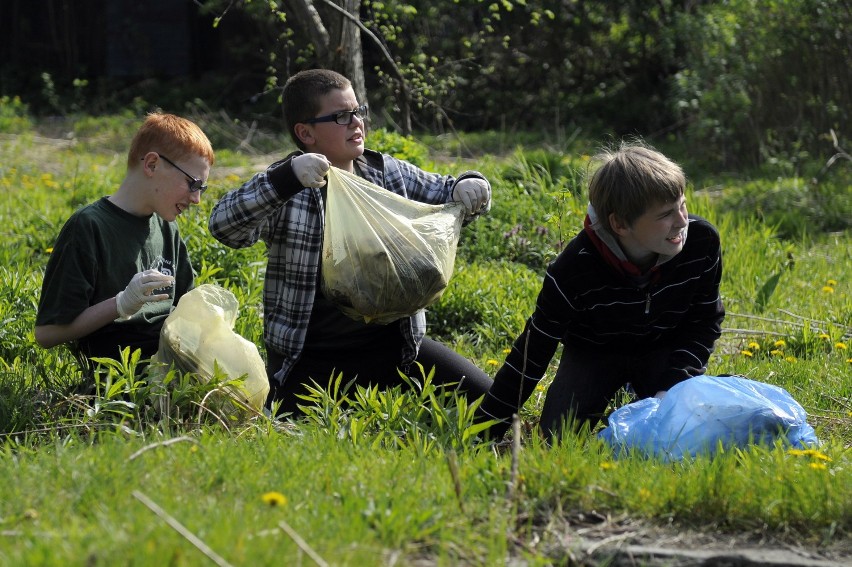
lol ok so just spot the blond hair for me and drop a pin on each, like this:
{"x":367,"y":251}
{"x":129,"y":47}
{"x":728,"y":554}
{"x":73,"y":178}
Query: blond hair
{"x":631,"y":178}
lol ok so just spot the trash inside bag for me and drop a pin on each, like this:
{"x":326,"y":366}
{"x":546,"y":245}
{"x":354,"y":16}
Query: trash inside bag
{"x":384,"y":256}
{"x":698,"y":415}
{"x":198,"y":337}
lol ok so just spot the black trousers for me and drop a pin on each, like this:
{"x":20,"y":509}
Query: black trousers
{"x":377,"y":365}
{"x":585,"y":384}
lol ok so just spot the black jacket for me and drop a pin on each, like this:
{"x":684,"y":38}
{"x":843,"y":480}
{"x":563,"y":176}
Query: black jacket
{"x":593,"y":301}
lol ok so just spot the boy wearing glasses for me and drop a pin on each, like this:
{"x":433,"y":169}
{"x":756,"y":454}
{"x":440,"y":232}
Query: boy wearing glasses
{"x":307,"y":337}
{"x":631,"y":299}
{"x":119,"y":265}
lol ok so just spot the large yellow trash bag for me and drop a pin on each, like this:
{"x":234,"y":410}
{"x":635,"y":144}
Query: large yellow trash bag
{"x":384,"y":256}
{"x":199,"y":333}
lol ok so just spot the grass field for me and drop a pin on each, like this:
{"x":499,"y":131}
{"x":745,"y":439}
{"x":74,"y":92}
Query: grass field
{"x":400,"y":478}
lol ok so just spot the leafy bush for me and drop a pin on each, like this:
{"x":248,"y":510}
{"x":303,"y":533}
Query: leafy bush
{"x":761,"y":80}
{"x":14,"y":116}
{"x":402,"y":147}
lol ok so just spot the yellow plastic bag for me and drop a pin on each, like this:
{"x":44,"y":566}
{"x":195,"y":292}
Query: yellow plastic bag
{"x":199,"y":334}
{"x":384,"y":256}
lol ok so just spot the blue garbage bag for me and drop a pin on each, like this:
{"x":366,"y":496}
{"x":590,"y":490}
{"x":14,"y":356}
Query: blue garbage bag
{"x":703,"y":413}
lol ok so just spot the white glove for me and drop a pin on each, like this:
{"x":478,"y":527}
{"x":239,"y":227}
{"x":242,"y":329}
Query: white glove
{"x":474,"y":193}
{"x":310,"y":169}
{"x":138,"y":292}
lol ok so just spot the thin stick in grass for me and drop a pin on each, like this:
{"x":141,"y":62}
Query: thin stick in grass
{"x":179,"y":528}
{"x":162,"y":444}
{"x":303,"y":545}
{"x":453,"y":465}
{"x":516,"y":451}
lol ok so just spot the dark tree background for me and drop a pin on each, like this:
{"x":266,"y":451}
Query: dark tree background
{"x":740,"y":80}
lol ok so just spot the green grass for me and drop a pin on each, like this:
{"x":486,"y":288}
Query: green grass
{"x":399,"y":477}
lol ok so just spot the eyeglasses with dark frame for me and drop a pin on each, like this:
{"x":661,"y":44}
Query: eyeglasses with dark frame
{"x":195,"y":184}
{"x":344,"y":117}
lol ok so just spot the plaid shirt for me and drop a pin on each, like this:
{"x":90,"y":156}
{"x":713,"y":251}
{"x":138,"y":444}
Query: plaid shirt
{"x":273,"y":206}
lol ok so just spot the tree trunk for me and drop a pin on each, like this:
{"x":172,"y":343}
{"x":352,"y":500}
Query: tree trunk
{"x":336,"y":38}
{"x":345,"y":49}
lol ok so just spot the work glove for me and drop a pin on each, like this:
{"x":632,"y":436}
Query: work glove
{"x":138,"y":292}
{"x":310,"y":169}
{"x":474,"y":193}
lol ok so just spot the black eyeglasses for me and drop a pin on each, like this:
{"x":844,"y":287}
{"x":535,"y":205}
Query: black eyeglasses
{"x":195,"y":184}
{"x":344,"y":117}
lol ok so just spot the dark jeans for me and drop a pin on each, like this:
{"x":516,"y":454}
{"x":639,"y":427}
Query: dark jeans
{"x":377,"y":365}
{"x":585,"y":384}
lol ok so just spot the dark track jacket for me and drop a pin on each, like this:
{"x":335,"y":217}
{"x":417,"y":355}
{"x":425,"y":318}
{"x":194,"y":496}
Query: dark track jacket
{"x":593,"y":299}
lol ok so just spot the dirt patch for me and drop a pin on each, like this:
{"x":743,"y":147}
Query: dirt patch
{"x":593,"y":539}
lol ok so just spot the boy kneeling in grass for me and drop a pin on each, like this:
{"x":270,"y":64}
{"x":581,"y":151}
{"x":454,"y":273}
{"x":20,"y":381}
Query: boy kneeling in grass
{"x":119,"y":265}
{"x":631,"y":299}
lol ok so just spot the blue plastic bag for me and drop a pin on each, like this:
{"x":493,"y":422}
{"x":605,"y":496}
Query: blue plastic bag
{"x":699,"y":414}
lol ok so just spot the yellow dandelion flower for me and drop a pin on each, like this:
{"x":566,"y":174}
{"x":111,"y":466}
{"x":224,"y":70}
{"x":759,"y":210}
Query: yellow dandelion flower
{"x":820,"y":456}
{"x":791,"y":359}
{"x":818,"y":466}
{"x":492,"y":362}
{"x":49,"y":249}
{"x":540,"y":388}
{"x":507,"y":350}
{"x":776,"y":352}
{"x":827,"y":289}
{"x":849,"y":360}
{"x":274,"y":498}
{"x":753,"y":346}
{"x":644,"y":493}
{"x":840,"y":346}
{"x":747,"y":353}
{"x":831,"y":282}
{"x":780,"y":343}
{"x":607,"y":465}
{"x":824,"y":336}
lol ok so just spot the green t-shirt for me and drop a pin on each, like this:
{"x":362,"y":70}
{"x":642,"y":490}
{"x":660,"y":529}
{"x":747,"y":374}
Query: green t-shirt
{"x":98,"y":251}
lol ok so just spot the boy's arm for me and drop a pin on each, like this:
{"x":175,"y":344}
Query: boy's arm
{"x":414,"y":183}
{"x":239,"y":219}
{"x":529,"y":358}
{"x":86,"y":323}
{"x":701,"y":327}
{"x":131,"y":299}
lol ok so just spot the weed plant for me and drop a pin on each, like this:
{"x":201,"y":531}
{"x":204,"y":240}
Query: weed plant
{"x":97,"y":470}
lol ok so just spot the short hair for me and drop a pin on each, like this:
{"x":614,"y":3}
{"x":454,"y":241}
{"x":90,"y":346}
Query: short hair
{"x":302,"y":92}
{"x":175,"y":137}
{"x":631,"y":178}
